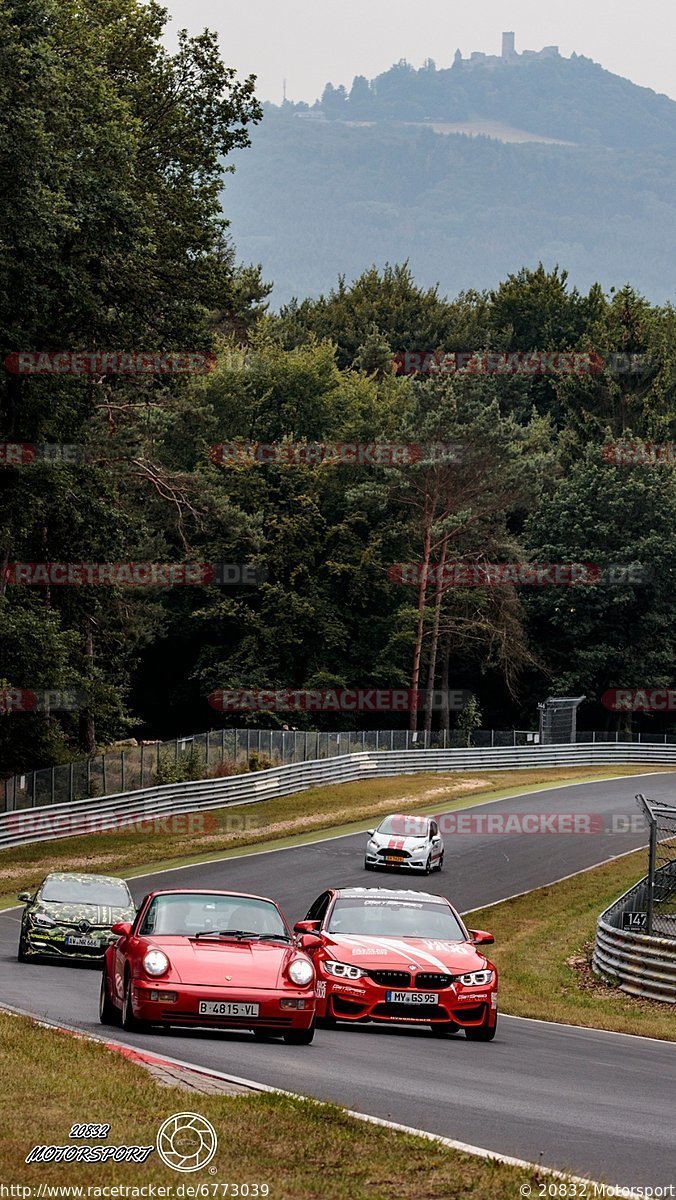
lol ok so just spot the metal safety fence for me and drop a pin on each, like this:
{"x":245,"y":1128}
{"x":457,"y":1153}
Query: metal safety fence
{"x":635,"y":944}
{"x":49,"y":822}
{"x":661,"y":878}
{"x":133,"y":768}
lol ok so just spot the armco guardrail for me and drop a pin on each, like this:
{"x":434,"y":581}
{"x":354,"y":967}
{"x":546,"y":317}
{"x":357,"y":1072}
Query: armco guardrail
{"x":47,"y":823}
{"x":134,"y":768}
{"x":637,"y":963}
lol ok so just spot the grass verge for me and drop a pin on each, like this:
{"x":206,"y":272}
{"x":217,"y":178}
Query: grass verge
{"x":341,"y":808}
{"x":543,"y":951}
{"x":302,"y":1150}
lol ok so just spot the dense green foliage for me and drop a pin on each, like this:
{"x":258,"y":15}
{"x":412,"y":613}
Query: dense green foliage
{"x":111,"y":238}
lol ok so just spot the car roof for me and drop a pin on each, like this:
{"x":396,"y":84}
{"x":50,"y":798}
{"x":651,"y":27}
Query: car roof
{"x":210,"y":892}
{"x":395,"y":893}
{"x":83,"y":876}
{"x":406,"y":817}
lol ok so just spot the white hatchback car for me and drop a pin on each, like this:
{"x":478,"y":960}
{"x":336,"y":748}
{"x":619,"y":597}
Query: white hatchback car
{"x":409,"y":842}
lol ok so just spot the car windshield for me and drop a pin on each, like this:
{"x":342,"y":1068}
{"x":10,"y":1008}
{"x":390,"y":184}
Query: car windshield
{"x":404,"y":826}
{"x":111,"y":892}
{"x":202,"y":913}
{"x":395,"y":918}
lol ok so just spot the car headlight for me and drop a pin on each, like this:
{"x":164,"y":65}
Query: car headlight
{"x":155,"y":963}
{"x":476,"y":978}
{"x":301,"y":972}
{"x":42,"y":919}
{"x":372,"y":844}
{"x":343,"y":970}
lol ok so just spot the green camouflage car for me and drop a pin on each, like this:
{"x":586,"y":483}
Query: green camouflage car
{"x":70,"y":916}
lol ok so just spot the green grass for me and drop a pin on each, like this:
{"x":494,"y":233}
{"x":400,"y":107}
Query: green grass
{"x":302,"y":1150}
{"x":323,"y":811}
{"x":543,"y":949}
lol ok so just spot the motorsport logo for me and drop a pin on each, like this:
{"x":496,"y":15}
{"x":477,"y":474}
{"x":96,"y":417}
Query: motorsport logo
{"x":186,"y":1141}
{"x":87,"y":1153}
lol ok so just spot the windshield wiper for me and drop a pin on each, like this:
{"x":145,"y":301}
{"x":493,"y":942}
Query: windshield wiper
{"x":242,"y":935}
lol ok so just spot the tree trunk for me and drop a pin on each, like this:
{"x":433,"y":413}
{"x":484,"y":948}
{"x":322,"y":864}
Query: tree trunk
{"x":420,"y":629}
{"x":444,"y":715}
{"x":88,"y":726}
{"x":431,"y":674}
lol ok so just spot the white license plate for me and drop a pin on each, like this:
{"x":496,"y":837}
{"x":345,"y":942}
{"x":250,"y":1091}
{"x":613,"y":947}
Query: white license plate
{"x":412,"y":997}
{"x":226,"y":1008}
{"x":89,"y":942}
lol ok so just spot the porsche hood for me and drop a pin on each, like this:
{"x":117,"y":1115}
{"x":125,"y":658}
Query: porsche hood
{"x":211,"y":962}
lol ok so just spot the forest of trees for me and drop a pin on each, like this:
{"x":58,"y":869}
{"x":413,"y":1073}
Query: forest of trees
{"x":574,"y":99}
{"x":112,"y":239}
{"x":365,"y":176}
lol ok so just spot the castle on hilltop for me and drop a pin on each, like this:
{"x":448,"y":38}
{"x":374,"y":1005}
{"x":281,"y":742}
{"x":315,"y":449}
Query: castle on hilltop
{"x":509,"y":55}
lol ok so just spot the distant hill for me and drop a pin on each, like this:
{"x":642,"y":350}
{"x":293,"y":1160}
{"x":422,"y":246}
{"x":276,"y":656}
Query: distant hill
{"x":376,"y":173}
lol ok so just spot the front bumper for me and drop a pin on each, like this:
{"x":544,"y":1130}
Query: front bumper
{"x":466,"y":1007}
{"x":51,"y":943}
{"x":185,"y":1009}
{"x":392,"y":862}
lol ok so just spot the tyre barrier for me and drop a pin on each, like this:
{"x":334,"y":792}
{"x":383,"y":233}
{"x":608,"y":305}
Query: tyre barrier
{"x":640,"y":964}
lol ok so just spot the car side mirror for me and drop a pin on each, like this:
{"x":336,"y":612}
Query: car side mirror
{"x":121,"y":928}
{"x":306,"y":926}
{"x":370,"y":832}
{"x":310,"y":941}
{"x":24,"y":897}
{"x":481,"y":938}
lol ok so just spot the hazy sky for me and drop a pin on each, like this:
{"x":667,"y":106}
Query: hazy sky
{"x":311,"y":41}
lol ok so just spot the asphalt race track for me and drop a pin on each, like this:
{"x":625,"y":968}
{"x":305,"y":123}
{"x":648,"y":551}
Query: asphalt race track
{"x":594,"y":1103}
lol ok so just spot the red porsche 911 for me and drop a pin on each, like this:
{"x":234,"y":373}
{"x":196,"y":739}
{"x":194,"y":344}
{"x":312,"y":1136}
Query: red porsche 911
{"x":219,"y":959}
{"x":400,"y":957}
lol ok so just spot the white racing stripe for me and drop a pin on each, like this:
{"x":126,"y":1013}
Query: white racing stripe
{"x":416,"y":952}
{"x":406,"y":952}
